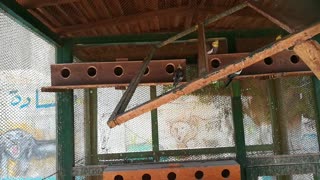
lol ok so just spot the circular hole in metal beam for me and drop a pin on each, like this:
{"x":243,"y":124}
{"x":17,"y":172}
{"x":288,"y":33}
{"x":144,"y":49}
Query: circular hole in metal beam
{"x":118,"y":71}
{"x":146,"y":177}
{"x":118,"y":177}
{"x":294,"y":59}
{"x":215,"y":63}
{"x":198,"y":174}
{"x":65,"y":73}
{"x":92,"y":71}
{"x":268,"y":61}
{"x":170,"y":68}
{"x":146,"y":72}
{"x":172,"y":176}
{"x":225,"y":173}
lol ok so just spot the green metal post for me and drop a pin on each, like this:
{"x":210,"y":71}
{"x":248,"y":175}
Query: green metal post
{"x":91,"y":126}
{"x":154,"y":121}
{"x":279,"y":131}
{"x":239,"y":127}
{"x":316,"y":84}
{"x":65,"y":121}
{"x":275,"y":124}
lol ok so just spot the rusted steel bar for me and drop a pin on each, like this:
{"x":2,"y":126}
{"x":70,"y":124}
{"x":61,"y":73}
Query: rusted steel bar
{"x":270,"y":16}
{"x":202,"y":51}
{"x":119,"y":72}
{"x":309,"y":52}
{"x":283,"y":62}
{"x":187,"y":170}
{"x":196,"y":84}
{"x":126,"y":97}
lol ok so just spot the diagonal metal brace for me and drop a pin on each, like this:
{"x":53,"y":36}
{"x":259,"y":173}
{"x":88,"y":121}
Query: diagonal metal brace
{"x":126,"y":97}
{"x":196,"y":84}
{"x":255,"y":6}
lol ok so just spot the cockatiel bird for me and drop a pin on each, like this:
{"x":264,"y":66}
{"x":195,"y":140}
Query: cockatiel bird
{"x":177,"y":76}
{"x":232,"y":76}
{"x":214,"y":47}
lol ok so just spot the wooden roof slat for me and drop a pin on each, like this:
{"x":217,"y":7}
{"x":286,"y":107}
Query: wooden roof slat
{"x":49,"y":16}
{"x":66,"y":16}
{"x":33,"y":4}
{"x":124,"y":19}
{"x":102,"y":9}
{"x":81,"y":11}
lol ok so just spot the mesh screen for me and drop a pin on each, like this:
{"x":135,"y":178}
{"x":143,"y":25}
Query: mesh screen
{"x":298,"y":114}
{"x":200,"y":120}
{"x":132,"y":136}
{"x":27,"y":115}
{"x":79,"y":131}
{"x":256,"y":114}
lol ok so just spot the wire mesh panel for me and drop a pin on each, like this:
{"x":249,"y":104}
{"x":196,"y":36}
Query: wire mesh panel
{"x":79,"y":128}
{"x":256,"y":113}
{"x":27,"y":115}
{"x":298,"y":114}
{"x":132,"y":136}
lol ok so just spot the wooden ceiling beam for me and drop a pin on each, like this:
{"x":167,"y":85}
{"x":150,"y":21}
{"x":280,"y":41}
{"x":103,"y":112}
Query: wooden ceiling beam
{"x":32,"y":4}
{"x":178,"y":11}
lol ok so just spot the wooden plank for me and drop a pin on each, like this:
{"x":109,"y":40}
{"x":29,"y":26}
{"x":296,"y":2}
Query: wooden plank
{"x":196,"y":84}
{"x":32,"y":4}
{"x":203,"y":65}
{"x":124,"y":19}
{"x":170,"y":12}
{"x":309,"y":52}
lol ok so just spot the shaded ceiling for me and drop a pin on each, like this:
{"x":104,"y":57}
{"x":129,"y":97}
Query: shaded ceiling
{"x":93,"y":18}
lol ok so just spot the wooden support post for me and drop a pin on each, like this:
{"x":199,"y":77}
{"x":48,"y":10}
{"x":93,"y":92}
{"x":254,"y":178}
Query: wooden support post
{"x":196,"y":84}
{"x":309,"y":52}
{"x":126,"y":97}
{"x":202,"y":51}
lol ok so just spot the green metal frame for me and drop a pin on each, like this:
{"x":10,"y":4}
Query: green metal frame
{"x":155,"y":38}
{"x":251,"y":167}
{"x":65,"y":121}
{"x":23,"y":17}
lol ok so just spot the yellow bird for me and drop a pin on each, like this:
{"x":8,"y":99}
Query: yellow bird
{"x":214,"y":47}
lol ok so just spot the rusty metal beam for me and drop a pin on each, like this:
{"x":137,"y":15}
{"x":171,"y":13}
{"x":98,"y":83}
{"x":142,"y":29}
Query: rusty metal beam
{"x":125,"y":99}
{"x":119,"y":72}
{"x":283,"y":62}
{"x":309,"y":52}
{"x":196,"y":84}
{"x":186,"y":170}
{"x":202,"y":51}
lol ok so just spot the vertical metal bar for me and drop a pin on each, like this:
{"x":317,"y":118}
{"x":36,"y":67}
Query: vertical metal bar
{"x":283,"y":124}
{"x":275,"y":124}
{"x":65,"y":121}
{"x":316,"y":86}
{"x":91,"y":126}
{"x":279,"y":132}
{"x":154,"y":121}
{"x":202,"y":51}
{"x":239,"y":127}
